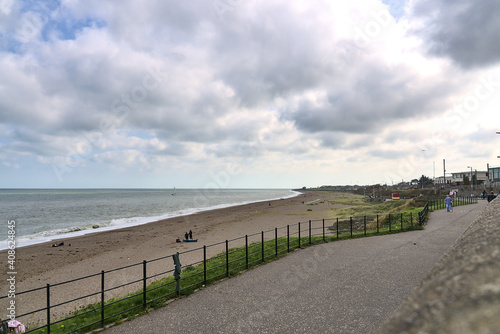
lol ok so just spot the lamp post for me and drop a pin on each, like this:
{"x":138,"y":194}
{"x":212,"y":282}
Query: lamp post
{"x":471,"y":184}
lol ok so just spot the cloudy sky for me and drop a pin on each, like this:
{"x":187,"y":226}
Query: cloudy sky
{"x":246,"y":93}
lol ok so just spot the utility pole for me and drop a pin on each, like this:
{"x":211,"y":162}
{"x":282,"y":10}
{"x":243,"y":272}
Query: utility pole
{"x":434,"y":176}
{"x":488,"y":173}
{"x":444,"y":173}
{"x":498,"y":133}
{"x":471,"y":183}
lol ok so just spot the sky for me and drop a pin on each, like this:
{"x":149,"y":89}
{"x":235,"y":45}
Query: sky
{"x":246,"y":93}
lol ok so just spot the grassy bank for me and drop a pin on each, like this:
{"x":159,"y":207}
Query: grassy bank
{"x":221,"y":266}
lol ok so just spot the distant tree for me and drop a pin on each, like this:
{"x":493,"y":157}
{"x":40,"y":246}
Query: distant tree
{"x":425,"y":182}
{"x":466,"y":181}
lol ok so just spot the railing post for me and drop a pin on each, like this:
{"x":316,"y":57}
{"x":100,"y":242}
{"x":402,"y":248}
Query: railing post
{"x":377,"y":223}
{"x":411,"y":220}
{"x":364,"y":220}
{"x":246,"y":250}
{"x":324,"y":230}
{"x":309,"y":231}
{"x":102,"y":298}
{"x":401,"y":222}
{"x":144,"y":284}
{"x":276,"y":240}
{"x":350,"y":219}
{"x":227,"y":258}
{"x":262,"y":241}
{"x":288,"y":238}
{"x":204,"y":265}
{"x":390,"y":224}
{"x":177,"y":273}
{"x":48,"y":308}
{"x":337,"y":227}
{"x":299,"y":234}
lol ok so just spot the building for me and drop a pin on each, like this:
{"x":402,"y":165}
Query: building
{"x":440,"y":180}
{"x":494,"y":176}
{"x":477,"y":176}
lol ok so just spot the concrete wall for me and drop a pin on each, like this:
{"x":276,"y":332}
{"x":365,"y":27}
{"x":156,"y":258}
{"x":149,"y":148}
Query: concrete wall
{"x":462,"y":292}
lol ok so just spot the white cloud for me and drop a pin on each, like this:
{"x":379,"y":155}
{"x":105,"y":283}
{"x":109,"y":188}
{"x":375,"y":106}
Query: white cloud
{"x":269,"y":87}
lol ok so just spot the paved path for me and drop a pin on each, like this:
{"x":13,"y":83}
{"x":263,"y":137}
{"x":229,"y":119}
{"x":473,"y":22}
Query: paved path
{"x":348,"y":286}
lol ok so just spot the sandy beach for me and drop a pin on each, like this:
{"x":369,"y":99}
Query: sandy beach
{"x":85,"y":255}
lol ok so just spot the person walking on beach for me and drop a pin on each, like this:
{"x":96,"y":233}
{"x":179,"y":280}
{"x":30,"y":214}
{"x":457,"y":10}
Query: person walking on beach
{"x":448,"y":200}
{"x":491,"y":196}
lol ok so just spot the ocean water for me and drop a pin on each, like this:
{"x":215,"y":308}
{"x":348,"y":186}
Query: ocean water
{"x":42,"y":215}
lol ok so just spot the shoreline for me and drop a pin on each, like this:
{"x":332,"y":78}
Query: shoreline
{"x":42,"y":257}
{"x":31,"y":240}
{"x":41,"y":264}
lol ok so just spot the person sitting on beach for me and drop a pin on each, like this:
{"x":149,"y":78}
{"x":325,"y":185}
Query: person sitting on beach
{"x":178,"y":239}
{"x":491,"y":196}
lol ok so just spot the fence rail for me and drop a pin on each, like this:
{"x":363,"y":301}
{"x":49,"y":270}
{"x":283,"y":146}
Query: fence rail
{"x":152,"y":286}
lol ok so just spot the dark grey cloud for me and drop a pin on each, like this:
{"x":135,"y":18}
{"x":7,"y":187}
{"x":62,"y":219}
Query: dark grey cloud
{"x":331,"y":140}
{"x":279,"y":54}
{"x":25,"y":141}
{"x":375,"y":97}
{"x":462,"y":30}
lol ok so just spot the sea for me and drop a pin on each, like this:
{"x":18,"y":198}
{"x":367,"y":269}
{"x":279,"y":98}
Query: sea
{"x":42,"y":215}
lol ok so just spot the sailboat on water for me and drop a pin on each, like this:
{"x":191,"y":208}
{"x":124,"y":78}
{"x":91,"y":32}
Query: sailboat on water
{"x":173,"y":194}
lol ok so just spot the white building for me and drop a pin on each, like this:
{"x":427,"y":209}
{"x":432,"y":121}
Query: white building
{"x":477,"y":176}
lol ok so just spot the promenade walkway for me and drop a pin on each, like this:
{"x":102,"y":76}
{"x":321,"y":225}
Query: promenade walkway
{"x":348,"y":286}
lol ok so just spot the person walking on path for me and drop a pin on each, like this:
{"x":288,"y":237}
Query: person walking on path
{"x":491,"y":196}
{"x":448,"y":200}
